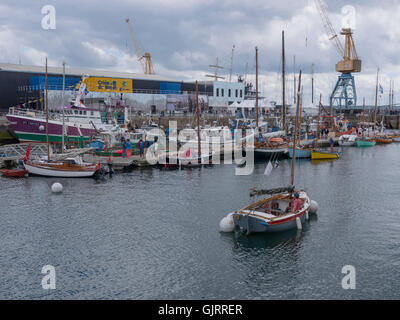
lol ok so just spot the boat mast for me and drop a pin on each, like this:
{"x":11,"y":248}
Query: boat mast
{"x":63,"y":114}
{"x":300,"y":111}
{"x":256,"y":87}
{"x":295,"y":131}
{"x":198,"y":122}
{"x":319,"y":119}
{"x":376,"y":99}
{"x":47,"y":120}
{"x":283,"y":83}
{"x":363,"y":120}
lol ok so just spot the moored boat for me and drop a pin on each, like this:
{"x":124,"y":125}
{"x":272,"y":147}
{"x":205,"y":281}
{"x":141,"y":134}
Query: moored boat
{"x":365,"y":143}
{"x":272,"y":214}
{"x":68,"y":168}
{"x":14,"y":173}
{"x":322,"y":155}
{"x":300,"y":153}
{"x":347,"y":140}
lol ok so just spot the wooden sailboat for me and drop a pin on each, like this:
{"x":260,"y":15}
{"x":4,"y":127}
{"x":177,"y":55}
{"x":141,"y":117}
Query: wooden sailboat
{"x":284,"y":209}
{"x":319,"y":154}
{"x":274,"y":147}
{"x":69,"y":168}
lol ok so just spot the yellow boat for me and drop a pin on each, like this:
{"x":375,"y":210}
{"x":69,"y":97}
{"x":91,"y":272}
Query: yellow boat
{"x":322,"y":155}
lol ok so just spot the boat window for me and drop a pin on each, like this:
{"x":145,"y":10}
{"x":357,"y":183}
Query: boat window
{"x":229,"y":92}
{"x":84,"y":112}
{"x":80,"y":111}
{"x":91,"y":113}
{"x":76,"y":111}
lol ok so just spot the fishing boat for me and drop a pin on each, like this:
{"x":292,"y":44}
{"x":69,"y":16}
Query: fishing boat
{"x":76,"y":122}
{"x":347,"y":140}
{"x":323,"y":155}
{"x":14,"y":173}
{"x":284,"y":209}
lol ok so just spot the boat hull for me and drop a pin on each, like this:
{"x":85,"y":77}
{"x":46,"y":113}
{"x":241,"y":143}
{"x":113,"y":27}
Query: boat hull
{"x":14,"y":173}
{"x":255,"y":225}
{"x":320,"y":155}
{"x":261,"y":153}
{"x":29,"y":130}
{"x":48,"y":172}
{"x":365,"y":144}
{"x":300,"y":153}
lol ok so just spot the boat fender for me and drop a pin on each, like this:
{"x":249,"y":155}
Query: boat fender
{"x":298,"y":223}
{"x":313,"y":207}
{"x":56,"y":187}
{"x":307,"y":216}
{"x":227,"y":224}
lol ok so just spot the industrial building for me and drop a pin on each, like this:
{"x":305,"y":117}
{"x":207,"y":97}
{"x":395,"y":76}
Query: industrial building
{"x":25,"y":85}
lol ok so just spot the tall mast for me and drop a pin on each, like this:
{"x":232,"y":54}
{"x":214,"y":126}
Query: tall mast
{"x":295,"y":131}
{"x":283,"y":83}
{"x":63,"y":114}
{"x":294,"y":79}
{"x":47,"y":120}
{"x":312,"y":83}
{"x":198,"y":121}
{"x":376,"y":99}
{"x":363,"y":120}
{"x":257,"y":87}
{"x":319,"y":119}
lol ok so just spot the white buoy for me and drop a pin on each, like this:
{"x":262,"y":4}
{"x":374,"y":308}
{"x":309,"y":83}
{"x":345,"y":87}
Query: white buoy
{"x":298,"y":222}
{"x":41,"y":127}
{"x":57,"y":187}
{"x":227,"y":224}
{"x":313,"y":206}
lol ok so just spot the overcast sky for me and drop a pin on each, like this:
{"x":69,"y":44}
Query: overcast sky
{"x":185,"y":36}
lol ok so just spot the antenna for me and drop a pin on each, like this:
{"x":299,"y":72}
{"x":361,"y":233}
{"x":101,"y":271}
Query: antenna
{"x":215,"y":75}
{"x":230,"y":73}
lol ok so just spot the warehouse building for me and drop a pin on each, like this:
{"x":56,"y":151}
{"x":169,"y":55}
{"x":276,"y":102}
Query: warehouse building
{"x":25,"y":85}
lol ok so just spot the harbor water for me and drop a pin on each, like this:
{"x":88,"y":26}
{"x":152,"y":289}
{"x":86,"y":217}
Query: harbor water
{"x":153,"y":234}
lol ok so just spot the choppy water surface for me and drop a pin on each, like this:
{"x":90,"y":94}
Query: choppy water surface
{"x":154,"y":234}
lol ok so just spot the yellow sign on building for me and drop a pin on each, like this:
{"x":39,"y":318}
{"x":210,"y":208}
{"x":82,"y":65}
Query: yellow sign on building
{"x":96,"y":84}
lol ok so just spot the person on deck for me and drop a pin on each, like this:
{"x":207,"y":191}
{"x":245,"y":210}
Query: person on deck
{"x":141,"y":148}
{"x":331,"y":142}
{"x":128,"y":145}
{"x":297,"y":203}
{"x":123,"y":148}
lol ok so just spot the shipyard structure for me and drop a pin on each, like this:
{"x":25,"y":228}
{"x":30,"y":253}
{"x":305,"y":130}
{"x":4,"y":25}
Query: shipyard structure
{"x":24,"y":86}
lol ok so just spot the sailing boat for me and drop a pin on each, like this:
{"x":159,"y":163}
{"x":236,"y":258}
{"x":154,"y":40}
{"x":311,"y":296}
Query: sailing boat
{"x":319,"y":154}
{"x":285,"y":209}
{"x":68,"y":168}
{"x":274,"y":147}
{"x":363,"y":143}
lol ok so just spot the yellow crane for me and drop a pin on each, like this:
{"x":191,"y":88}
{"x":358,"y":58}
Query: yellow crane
{"x":344,"y":93}
{"x":144,"y":59}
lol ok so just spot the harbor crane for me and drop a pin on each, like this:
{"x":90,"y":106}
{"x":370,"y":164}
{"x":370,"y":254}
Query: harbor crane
{"x":344,"y":92}
{"x":144,"y":59}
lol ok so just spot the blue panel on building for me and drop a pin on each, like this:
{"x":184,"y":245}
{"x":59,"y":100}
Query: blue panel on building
{"x":53,"y":83}
{"x":170,"y":87}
